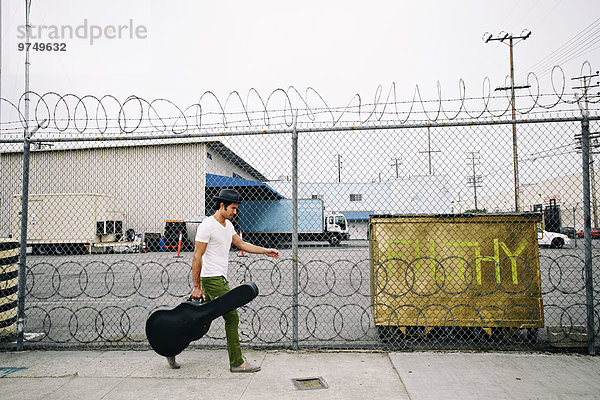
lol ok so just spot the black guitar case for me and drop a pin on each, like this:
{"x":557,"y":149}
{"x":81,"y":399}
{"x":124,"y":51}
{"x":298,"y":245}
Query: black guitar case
{"x":171,"y":329}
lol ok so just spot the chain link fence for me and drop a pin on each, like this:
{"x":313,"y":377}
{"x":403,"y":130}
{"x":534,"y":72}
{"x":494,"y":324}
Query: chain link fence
{"x":411,"y":231}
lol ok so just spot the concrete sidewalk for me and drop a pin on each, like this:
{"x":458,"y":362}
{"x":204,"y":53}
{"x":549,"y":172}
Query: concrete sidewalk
{"x":347,"y":375}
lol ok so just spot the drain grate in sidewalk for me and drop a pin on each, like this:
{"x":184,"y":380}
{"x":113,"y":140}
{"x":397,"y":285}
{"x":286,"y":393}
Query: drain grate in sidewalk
{"x":310,"y":383}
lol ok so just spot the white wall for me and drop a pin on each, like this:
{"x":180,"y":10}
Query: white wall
{"x":426,"y":194}
{"x":156,"y":182}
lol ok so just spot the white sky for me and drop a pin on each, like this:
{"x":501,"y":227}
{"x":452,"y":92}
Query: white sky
{"x":340,"y":48}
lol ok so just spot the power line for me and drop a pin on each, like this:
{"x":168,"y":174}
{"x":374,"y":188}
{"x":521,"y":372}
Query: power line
{"x":577,"y":44}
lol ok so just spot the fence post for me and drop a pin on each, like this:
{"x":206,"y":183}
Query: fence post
{"x":295,"y":236}
{"x":23,"y":245}
{"x":587,"y":226}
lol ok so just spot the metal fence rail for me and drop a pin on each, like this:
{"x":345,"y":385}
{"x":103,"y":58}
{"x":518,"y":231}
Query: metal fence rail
{"x":444,"y":250}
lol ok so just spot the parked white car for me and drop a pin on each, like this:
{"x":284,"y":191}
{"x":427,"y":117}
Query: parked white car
{"x":552,"y":239}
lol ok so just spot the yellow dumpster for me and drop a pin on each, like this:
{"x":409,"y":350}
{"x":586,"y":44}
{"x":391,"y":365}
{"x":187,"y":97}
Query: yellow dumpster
{"x":455,"y":270}
{"x":9,"y":279}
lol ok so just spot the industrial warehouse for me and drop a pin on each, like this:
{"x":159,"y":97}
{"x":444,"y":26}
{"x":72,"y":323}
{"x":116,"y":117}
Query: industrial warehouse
{"x":146,"y":185}
{"x":155,"y":183}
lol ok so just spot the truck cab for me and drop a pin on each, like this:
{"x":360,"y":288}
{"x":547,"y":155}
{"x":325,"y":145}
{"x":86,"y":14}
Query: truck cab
{"x":336,"y":227}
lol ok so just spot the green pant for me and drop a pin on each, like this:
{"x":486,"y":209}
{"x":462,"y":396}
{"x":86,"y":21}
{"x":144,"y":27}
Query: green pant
{"x":213,"y":287}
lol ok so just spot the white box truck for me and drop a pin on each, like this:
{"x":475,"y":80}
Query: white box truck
{"x":60,"y":223}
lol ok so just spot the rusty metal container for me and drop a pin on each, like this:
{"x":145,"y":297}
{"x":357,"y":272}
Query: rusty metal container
{"x":469,"y":270}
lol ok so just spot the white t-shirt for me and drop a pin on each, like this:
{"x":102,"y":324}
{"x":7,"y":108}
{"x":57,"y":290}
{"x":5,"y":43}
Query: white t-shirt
{"x":218,"y":237}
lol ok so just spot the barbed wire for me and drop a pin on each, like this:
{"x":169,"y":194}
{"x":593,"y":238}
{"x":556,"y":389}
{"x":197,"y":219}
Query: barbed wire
{"x":70,"y":114}
{"x":149,"y":130}
{"x":106,"y":303}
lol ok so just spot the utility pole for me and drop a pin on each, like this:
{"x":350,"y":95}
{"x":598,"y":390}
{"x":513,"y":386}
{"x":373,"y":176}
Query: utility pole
{"x":501,"y":38}
{"x":339,"y":167}
{"x":586,"y":85}
{"x":574,"y":227}
{"x":396,"y":163}
{"x":474,"y":180}
{"x":429,"y":151}
{"x":0,"y":65}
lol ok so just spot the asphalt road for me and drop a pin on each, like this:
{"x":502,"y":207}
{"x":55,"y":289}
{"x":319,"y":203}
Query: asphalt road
{"x":107,"y":297}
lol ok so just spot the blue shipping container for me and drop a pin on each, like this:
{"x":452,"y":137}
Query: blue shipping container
{"x":276,"y":216}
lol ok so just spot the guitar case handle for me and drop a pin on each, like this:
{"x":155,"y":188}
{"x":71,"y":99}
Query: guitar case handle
{"x":197,"y":302}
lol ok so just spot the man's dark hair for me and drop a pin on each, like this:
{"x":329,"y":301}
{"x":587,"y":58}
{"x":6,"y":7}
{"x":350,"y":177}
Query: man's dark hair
{"x":225,"y":203}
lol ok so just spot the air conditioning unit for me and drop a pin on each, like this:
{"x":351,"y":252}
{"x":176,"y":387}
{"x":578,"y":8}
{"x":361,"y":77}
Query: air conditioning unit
{"x":109,"y":227}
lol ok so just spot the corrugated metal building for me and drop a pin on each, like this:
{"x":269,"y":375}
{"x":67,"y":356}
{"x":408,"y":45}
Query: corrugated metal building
{"x":157,"y":181}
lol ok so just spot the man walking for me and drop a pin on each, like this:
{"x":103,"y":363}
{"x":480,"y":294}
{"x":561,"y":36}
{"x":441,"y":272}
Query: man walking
{"x":209,"y":269}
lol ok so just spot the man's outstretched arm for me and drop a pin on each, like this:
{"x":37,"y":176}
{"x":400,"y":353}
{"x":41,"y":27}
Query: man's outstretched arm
{"x":251,"y":248}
